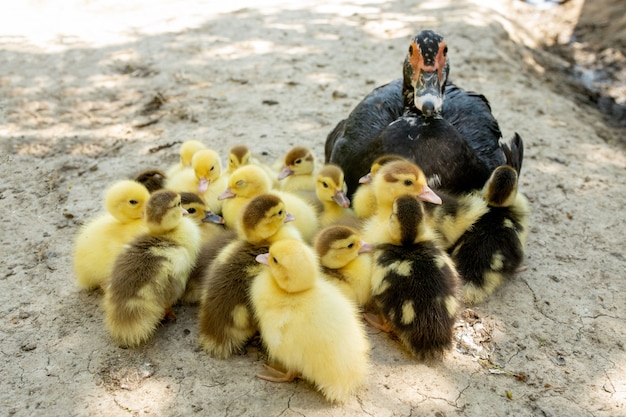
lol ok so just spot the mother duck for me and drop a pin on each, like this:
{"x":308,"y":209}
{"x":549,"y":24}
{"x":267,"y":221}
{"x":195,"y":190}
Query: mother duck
{"x":449,"y":132}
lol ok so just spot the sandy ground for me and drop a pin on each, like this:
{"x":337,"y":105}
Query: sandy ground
{"x":93,"y":91}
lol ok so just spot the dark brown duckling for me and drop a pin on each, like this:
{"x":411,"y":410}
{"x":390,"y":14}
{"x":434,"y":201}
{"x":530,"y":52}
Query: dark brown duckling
{"x":414,"y":283}
{"x":152,"y":179}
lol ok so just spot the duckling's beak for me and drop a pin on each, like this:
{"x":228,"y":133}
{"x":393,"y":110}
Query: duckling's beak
{"x":203,"y":185}
{"x":366,"y":247}
{"x":341,"y":199}
{"x":285,"y":172}
{"x":226,"y":194}
{"x":210,"y":217}
{"x":366,"y":179}
{"x":185,"y":212}
{"x":289,"y":217}
{"x":428,"y":95}
{"x":429,"y":195}
{"x":263,"y":258}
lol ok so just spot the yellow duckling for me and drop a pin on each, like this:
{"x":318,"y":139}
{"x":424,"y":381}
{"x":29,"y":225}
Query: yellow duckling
{"x":346,"y":261}
{"x":414,"y":283}
{"x":299,"y":170}
{"x":187,"y":149}
{"x":151,"y":273}
{"x":101,"y":240}
{"x":226,"y":320}
{"x":307,"y":325}
{"x":330,"y":190}
{"x":393,"y":180}
{"x":249,"y":181}
{"x":240,"y":155}
{"x":363,"y":199}
{"x":493,"y":249}
{"x":209,"y":223}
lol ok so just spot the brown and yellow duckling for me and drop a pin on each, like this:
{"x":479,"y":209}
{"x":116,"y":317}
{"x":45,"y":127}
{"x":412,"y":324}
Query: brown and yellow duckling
{"x":151,"y":273}
{"x":226,"y":320}
{"x":330,"y":190}
{"x":364,"y":199}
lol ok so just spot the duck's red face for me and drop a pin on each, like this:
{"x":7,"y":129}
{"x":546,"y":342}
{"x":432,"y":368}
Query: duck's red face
{"x":428,"y":63}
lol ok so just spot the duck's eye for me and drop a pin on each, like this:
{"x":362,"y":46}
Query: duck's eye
{"x":280,"y":213}
{"x":191,"y":210}
{"x":445,"y":50}
{"x":408,"y":183}
{"x":411,"y":50}
{"x":178,"y":204}
{"x":325,"y":185}
{"x":240,"y":183}
{"x":134,"y":202}
{"x":212,"y":168}
{"x":274,"y":260}
{"x":298,"y":161}
{"x":351,"y":245}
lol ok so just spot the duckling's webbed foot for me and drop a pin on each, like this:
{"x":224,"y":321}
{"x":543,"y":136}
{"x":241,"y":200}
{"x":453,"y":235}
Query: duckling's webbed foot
{"x":169,"y":314}
{"x":377,"y":321}
{"x":274,"y":375}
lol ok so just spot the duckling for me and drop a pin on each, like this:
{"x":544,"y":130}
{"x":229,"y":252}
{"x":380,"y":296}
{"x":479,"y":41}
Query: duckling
{"x":363,"y":199}
{"x":187,"y":149}
{"x":393,"y":180}
{"x":307,"y":325}
{"x":330,"y":190}
{"x":414,"y":283}
{"x":240,"y":155}
{"x":151,"y":273}
{"x":249,"y":181}
{"x":152,"y":179}
{"x":210,"y":224}
{"x":299,"y":170}
{"x":101,"y":240}
{"x":493,"y":249}
{"x":226,"y":321}
{"x":346,"y":261}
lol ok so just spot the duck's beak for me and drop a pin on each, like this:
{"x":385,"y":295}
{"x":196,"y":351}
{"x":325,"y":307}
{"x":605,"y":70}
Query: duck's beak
{"x":263,"y":258}
{"x":428,"y":96}
{"x":366,"y":247}
{"x":429,"y":195}
{"x":226,"y":194}
{"x":285,"y":173}
{"x":289,"y":217}
{"x":203,"y":185}
{"x":185,"y":212}
{"x":341,"y":199}
{"x":210,"y":217}
{"x":366,"y":179}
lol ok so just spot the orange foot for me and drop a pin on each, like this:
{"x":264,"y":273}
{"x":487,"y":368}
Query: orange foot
{"x":274,"y":375}
{"x":169,"y":314}
{"x":377,"y":321}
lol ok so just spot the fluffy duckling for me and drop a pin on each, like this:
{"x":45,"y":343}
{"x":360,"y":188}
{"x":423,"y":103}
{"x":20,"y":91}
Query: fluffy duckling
{"x":151,"y":273}
{"x":249,"y":181}
{"x":152,"y":179}
{"x":346,"y":261}
{"x":240,"y":155}
{"x":210,"y":224}
{"x":330,"y":190}
{"x":226,"y":320}
{"x":493,"y":249}
{"x":414,"y":283}
{"x":363,"y":199}
{"x":393,"y":180}
{"x":187,"y":149}
{"x":307,"y":325}
{"x":100,"y":241}
{"x":298,"y":173}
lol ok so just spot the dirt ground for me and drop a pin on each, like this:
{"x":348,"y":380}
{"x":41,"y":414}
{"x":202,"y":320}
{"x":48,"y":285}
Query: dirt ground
{"x":93,"y":91}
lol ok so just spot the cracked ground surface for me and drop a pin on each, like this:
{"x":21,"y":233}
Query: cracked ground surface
{"x":91,"y":92}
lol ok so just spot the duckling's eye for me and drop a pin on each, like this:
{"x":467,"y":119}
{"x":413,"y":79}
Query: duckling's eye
{"x":134,"y":202}
{"x":298,"y":161}
{"x":274,"y":260}
{"x":408,"y":183}
{"x":178,"y":204}
{"x":191,"y":210}
{"x":280,"y":213}
{"x":351,"y":245}
{"x":213,"y":167}
{"x":240,"y":183}
{"x":325,"y":185}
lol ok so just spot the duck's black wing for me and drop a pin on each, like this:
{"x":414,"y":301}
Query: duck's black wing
{"x":438,"y":149}
{"x":470,"y":113}
{"x":349,"y":145}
